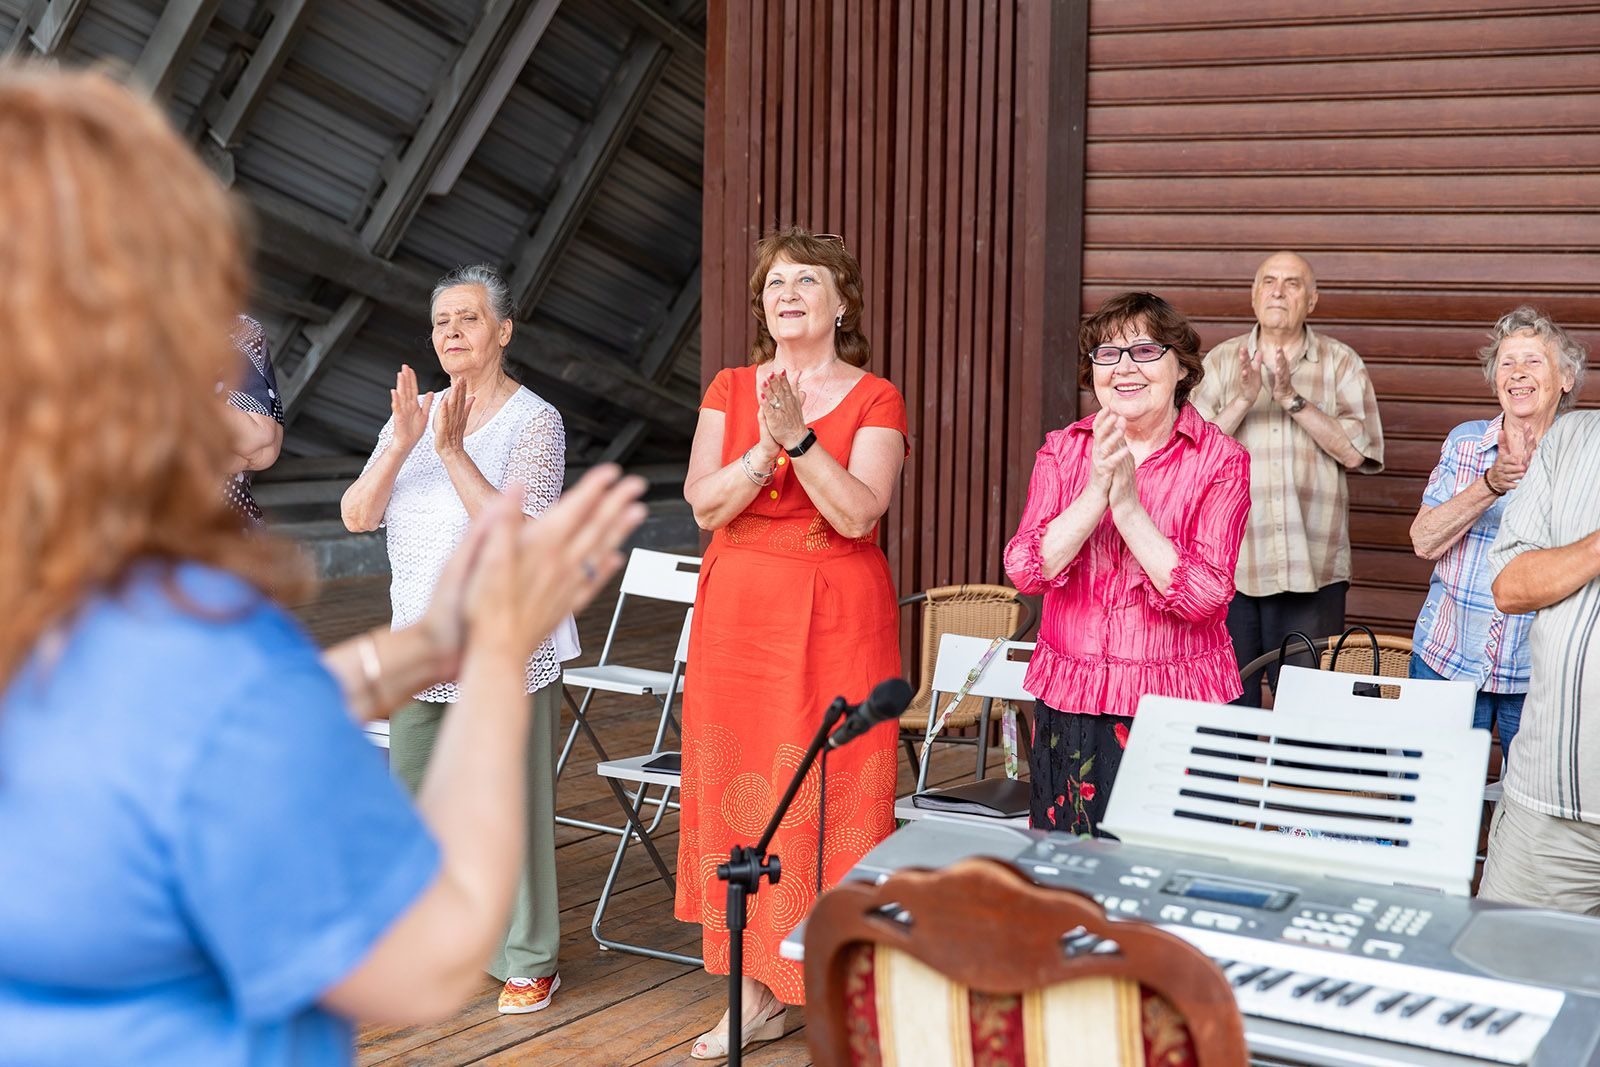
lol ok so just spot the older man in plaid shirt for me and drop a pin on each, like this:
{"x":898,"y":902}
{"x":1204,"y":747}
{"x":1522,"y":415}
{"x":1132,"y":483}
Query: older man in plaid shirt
{"x":1303,"y":407}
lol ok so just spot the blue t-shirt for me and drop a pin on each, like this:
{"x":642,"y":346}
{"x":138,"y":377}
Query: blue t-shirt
{"x":196,"y":841}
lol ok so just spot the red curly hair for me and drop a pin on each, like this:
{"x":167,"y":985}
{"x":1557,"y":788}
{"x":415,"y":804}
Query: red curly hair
{"x":121,"y":272}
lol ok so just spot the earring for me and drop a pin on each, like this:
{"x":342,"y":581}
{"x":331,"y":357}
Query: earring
{"x":838,"y":322}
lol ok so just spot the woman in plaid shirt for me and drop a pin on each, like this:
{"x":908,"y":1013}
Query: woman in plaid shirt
{"x":1535,"y":369}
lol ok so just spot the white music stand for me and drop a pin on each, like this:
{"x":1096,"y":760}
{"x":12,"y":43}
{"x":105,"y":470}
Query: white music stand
{"x":1309,"y":788}
{"x":1305,"y":691}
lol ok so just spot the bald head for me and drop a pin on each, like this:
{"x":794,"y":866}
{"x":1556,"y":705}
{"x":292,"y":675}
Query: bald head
{"x":1284,"y":293}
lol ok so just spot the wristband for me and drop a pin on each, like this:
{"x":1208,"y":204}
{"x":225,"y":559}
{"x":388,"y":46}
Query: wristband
{"x":804,"y":444}
{"x":1490,"y":485}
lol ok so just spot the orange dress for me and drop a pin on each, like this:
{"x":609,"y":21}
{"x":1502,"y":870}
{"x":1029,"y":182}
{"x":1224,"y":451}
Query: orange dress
{"x":789,"y":614}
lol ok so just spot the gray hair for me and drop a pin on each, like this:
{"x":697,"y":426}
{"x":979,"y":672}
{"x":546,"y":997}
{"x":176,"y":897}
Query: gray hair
{"x":478,"y":274}
{"x":1528,"y":319}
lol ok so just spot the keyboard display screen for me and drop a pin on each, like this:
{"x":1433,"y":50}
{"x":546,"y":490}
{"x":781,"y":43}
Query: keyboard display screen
{"x":1221,"y":891}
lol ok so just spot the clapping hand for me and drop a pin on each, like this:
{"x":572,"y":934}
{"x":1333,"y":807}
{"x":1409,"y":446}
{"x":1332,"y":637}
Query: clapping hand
{"x":782,"y":411}
{"x":449,"y":435}
{"x":529,"y":574}
{"x":1511,"y":463}
{"x":1282,"y":387}
{"x":410,"y":412}
{"x":1111,"y":459}
{"x":1249,"y":374}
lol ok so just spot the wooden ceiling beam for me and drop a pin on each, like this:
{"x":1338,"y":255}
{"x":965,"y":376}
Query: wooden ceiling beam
{"x":178,"y":32}
{"x":228,"y":117}
{"x":507,"y":30}
{"x":307,"y":238}
{"x":46,"y":26}
{"x":536,"y":258}
{"x":678,"y":324}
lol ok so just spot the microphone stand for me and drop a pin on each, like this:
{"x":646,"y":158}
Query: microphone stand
{"x":744,"y":870}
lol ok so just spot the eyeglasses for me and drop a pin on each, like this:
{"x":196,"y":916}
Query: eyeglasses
{"x":828,"y":237}
{"x":1143,"y":352}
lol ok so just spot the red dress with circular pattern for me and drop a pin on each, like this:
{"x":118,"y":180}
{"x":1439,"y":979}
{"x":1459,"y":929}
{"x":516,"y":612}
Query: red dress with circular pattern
{"x":789,"y":614}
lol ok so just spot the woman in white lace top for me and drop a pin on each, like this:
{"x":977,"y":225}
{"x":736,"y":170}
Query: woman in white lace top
{"x":439,"y":460}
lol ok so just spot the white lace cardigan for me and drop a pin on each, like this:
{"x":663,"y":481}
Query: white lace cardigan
{"x":524,"y":441}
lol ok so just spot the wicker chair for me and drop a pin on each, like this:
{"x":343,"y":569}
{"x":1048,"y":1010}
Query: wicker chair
{"x":1355,"y":657}
{"x":971,"y":610}
{"x":1394,"y":656}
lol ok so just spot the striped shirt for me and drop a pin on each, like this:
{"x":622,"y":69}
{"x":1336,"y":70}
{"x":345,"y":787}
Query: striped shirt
{"x":1557,"y":769}
{"x":1298,"y":536}
{"x":1460,"y":633}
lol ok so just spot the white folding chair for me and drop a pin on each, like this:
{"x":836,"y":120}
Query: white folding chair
{"x":655,"y":768}
{"x":377,"y":732}
{"x":651,"y":575}
{"x":1001,"y":679}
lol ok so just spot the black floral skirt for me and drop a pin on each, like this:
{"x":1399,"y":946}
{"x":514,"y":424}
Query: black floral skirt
{"x":1073,"y":761}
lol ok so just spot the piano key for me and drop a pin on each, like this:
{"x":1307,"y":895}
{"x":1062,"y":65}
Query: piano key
{"x":1504,"y":1021}
{"x":1330,"y":990}
{"x":1478,"y":1018}
{"x":1415,"y":1006}
{"x":1450,"y":1015}
{"x":1271,"y":980}
{"x":1248,"y":976}
{"x":1389,"y":1001}
{"x":1353,"y":994}
{"x":1305,"y":987}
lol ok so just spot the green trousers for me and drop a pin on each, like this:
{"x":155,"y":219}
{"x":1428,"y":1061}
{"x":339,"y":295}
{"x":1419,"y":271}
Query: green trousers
{"x":534,"y":936}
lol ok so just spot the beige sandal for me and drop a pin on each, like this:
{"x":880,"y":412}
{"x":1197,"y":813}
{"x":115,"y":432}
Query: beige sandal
{"x":768,"y":1027}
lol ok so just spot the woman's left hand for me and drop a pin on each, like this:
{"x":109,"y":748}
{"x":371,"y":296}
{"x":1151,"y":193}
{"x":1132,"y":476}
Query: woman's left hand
{"x":450,"y":427}
{"x":1114,"y":453}
{"x":783,"y":410}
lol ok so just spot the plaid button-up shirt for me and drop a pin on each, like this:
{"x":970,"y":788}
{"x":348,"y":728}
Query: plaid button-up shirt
{"x":1460,"y":633}
{"x":1298,"y":536}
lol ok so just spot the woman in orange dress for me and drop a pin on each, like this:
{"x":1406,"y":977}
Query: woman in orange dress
{"x":794,"y":460}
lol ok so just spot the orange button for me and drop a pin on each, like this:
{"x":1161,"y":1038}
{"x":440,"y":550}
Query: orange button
{"x":774,"y":494}
{"x":782,"y":460}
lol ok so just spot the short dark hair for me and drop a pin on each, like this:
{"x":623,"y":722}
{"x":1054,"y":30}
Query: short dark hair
{"x":1163,"y":322}
{"x":799,"y":245}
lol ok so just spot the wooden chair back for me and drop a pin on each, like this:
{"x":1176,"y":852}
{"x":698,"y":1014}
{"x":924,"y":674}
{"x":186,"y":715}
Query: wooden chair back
{"x":985,"y":926}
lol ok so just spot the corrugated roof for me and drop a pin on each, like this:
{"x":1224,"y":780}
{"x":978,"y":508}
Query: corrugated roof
{"x":324,"y":139}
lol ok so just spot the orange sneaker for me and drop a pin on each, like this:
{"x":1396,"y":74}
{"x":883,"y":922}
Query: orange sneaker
{"x":522,"y":995}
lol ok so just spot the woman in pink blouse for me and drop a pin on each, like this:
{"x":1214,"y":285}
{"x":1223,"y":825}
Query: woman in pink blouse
{"x":1131,"y":533}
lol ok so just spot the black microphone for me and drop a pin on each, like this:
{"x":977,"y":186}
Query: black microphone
{"x":888,"y":700}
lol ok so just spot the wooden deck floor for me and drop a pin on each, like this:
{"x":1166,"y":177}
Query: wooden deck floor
{"x":613,"y":1008}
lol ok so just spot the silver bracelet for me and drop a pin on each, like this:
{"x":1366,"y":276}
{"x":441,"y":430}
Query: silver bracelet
{"x":759,"y":479}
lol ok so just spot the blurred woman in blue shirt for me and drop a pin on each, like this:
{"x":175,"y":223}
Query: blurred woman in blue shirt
{"x":204,"y":861}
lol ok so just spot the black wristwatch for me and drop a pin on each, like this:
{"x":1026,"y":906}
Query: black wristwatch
{"x":1296,"y":404}
{"x":804,"y":444}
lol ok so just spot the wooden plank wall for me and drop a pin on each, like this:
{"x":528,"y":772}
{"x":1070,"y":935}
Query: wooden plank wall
{"x":942,"y":139}
{"x":1438,"y":161}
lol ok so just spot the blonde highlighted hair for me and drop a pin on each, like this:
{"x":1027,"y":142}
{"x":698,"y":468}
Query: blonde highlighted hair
{"x":121,"y":273}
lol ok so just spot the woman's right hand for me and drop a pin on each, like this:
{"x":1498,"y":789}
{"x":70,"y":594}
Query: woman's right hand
{"x":531,"y":574}
{"x":410,"y":412}
{"x":1109,"y":453}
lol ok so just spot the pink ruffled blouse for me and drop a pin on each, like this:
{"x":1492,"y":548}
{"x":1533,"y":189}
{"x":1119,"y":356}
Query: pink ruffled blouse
{"x":1107,"y":636}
